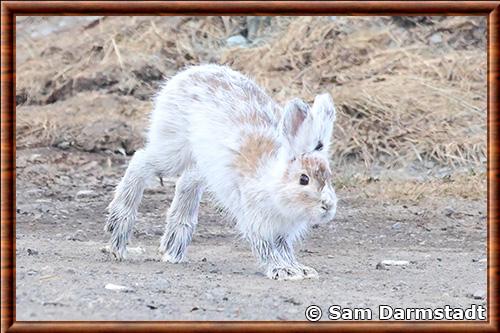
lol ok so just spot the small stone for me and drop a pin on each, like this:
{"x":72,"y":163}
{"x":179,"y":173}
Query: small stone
{"x":436,"y":38}
{"x":32,"y":252}
{"x":116,"y":287}
{"x":448,"y":211}
{"x":31,"y":272}
{"x":85,"y":194}
{"x":386,"y":263}
{"x":237,"y":40}
{"x":478,"y":294}
{"x":79,"y":235}
{"x":396,"y":226}
{"x":35,"y":158}
{"x":204,"y":259}
{"x":395,"y":262}
{"x":381,"y":266}
{"x":63,"y":145}
{"x":292,"y":301}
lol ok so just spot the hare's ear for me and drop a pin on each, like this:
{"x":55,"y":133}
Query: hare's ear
{"x":323,"y":107}
{"x":324,"y":113}
{"x":296,"y":117}
{"x":295,"y":113}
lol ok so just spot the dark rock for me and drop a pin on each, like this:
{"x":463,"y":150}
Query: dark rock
{"x":32,"y":252}
{"x":61,"y":93}
{"x":148,"y":73}
{"x":21,"y":97}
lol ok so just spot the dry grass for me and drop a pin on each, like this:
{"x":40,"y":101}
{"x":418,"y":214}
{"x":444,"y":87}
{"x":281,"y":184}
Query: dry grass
{"x":88,"y":122}
{"x":400,"y":99}
{"x":471,"y":186}
{"x":404,"y":95}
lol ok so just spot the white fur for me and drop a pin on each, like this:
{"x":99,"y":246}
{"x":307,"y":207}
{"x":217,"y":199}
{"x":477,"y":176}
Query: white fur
{"x":192,"y":133}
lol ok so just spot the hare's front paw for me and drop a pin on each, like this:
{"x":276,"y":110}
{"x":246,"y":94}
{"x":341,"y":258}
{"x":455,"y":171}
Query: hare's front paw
{"x":309,"y":272}
{"x":119,"y":253}
{"x":172,"y":258}
{"x":285,"y":273}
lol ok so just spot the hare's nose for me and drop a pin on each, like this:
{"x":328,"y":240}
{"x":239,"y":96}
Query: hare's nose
{"x":327,"y":204}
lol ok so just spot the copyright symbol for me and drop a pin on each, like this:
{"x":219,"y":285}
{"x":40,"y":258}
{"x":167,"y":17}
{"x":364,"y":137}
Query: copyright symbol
{"x":313,"y":313}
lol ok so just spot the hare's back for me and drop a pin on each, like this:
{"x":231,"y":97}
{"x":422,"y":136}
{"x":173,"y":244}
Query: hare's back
{"x":228,"y":97}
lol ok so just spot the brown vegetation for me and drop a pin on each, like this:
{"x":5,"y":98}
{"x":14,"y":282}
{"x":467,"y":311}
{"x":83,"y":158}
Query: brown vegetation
{"x":408,"y":90}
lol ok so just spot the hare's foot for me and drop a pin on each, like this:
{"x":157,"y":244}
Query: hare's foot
{"x":277,"y":256}
{"x":284,"y":273}
{"x":120,"y":234}
{"x":285,"y":253}
{"x":308,"y":272}
{"x":174,"y":243}
{"x":119,"y":252}
{"x":174,"y":258}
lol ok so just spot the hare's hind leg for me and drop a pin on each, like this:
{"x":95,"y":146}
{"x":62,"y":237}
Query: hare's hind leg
{"x":123,"y":209}
{"x":182,"y":216}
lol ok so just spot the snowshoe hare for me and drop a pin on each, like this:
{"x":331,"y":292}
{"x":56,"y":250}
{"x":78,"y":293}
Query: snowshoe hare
{"x":267,"y":166}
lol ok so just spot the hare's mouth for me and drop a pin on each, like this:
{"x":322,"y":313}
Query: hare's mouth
{"x":327,"y":215}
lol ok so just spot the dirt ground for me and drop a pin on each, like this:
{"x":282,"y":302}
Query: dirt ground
{"x":62,"y":271}
{"x":409,"y":160}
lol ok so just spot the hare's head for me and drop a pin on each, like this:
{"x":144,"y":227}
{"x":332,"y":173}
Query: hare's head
{"x":305,"y":189}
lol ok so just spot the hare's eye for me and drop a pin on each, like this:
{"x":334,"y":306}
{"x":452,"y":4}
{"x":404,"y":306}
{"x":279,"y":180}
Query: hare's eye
{"x":319,"y":146}
{"x":304,"y":180}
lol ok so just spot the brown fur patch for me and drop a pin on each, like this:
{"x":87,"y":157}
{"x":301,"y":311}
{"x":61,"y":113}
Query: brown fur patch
{"x":253,"y":149}
{"x":253,"y":118}
{"x":317,"y":168}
